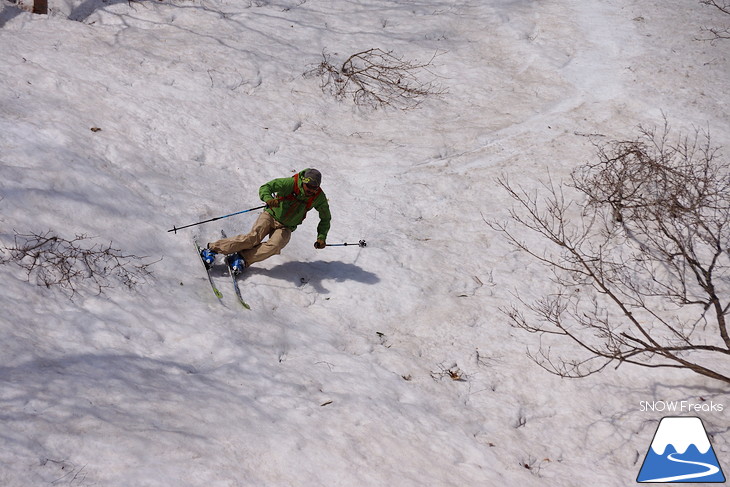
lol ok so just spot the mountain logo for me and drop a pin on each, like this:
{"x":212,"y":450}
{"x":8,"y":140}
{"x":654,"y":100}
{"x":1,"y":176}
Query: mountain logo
{"x":680,"y":452}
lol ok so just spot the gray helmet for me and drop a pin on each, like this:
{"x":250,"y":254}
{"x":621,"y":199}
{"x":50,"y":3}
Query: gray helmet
{"x":312,"y":177}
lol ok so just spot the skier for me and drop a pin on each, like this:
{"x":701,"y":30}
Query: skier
{"x":288,"y":200}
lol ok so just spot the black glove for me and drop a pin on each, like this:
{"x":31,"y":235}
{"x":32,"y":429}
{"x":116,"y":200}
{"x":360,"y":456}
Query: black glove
{"x":320,"y":244}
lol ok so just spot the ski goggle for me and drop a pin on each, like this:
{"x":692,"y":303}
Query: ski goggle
{"x":309,"y":183}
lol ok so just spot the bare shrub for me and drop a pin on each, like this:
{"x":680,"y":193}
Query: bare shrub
{"x":70,"y":264}
{"x":452,"y":372}
{"x":376,"y":78}
{"x":641,"y":262}
{"x":718,"y":32}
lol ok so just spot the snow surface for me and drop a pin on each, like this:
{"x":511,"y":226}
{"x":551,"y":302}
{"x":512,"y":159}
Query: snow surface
{"x":339,"y":375}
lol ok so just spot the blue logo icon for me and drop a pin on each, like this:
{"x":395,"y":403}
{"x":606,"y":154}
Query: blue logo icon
{"x":681,"y":452}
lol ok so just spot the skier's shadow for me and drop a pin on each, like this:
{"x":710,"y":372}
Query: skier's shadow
{"x":314,"y":273}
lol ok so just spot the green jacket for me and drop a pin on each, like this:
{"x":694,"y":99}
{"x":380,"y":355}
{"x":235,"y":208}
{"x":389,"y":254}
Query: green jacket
{"x":292,"y":209}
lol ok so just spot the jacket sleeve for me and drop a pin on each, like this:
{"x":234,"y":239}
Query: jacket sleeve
{"x":280,"y":187}
{"x":323,"y":208}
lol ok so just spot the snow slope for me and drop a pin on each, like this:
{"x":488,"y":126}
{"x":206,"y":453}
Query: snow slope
{"x":340,"y":373}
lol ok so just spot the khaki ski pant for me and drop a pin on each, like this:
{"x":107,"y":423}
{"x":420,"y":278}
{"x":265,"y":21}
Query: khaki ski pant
{"x":250,"y":245}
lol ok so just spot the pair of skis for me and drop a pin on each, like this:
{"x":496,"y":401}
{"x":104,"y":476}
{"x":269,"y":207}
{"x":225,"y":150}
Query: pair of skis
{"x":216,"y":291}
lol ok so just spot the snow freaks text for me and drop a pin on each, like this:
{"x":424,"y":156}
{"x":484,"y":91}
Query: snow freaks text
{"x":680,"y":406}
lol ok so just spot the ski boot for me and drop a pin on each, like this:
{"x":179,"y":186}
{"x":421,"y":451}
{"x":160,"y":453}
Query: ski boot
{"x":236,"y":263}
{"x":208,"y":257}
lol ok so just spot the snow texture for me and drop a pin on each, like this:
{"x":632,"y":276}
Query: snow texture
{"x":383,"y":365}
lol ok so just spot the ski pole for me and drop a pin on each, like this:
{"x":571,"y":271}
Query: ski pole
{"x":175,"y":229}
{"x":361,"y":243}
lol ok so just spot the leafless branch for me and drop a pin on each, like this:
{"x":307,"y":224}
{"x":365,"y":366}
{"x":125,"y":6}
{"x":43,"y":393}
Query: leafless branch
{"x":718,"y":32}
{"x":377,"y":78}
{"x":641,"y":261}
{"x":71,"y":264}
